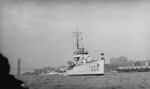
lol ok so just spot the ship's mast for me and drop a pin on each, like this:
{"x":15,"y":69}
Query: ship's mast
{"x":77,"y":38}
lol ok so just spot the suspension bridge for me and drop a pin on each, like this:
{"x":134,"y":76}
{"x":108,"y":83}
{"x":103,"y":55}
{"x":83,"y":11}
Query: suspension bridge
{"x":22,"y":67}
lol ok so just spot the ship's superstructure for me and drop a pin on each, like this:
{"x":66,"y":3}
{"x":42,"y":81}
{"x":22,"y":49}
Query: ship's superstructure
{"x":82,"y":64}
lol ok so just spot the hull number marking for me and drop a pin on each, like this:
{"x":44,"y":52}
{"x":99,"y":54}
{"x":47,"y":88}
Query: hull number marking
{"x":94,"y":67}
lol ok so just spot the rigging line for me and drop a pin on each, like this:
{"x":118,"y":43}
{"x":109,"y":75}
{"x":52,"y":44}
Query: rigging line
{"x":107,"y":67}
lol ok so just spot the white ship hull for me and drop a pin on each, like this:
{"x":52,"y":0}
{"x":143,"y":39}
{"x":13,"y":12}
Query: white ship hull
{"x":94,"y":68}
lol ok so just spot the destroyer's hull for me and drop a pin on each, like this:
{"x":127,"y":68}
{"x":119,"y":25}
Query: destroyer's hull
{"x":89,"y":69}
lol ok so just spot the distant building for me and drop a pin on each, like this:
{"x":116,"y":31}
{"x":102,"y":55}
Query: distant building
{"x":120,"y":61}
{"x":123,"y":61}
{"x":39,"y":71}
{"x":142,"y":63}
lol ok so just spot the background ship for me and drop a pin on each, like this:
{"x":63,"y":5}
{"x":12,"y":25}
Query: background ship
{"x":82,"y":64}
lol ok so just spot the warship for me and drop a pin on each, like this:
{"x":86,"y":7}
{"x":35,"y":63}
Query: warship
{"x":81,"y":63}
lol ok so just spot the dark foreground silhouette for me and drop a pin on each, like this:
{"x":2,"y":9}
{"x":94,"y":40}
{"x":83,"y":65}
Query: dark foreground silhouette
{"x":8,"y":81}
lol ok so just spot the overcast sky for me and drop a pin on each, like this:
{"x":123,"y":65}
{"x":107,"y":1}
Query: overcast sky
{"x":40,"y":32}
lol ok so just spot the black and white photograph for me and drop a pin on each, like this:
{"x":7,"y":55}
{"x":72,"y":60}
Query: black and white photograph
{"x":75,"y":44}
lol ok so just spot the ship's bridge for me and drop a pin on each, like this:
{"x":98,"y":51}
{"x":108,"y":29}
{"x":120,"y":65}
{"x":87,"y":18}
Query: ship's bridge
{"x":81,"y":51}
